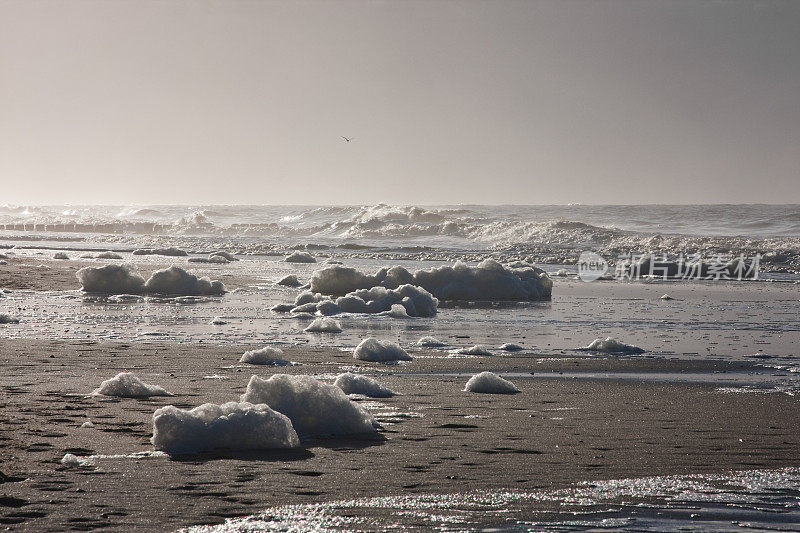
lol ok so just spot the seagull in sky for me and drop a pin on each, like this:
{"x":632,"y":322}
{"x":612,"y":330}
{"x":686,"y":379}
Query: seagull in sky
{"x":346,"y":139}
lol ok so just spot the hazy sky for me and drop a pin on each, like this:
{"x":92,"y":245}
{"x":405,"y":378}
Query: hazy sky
{"x":447,"y":101}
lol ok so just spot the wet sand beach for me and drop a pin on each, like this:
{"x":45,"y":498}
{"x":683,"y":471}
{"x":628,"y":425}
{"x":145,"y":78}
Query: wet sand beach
{"x":435,"y":438}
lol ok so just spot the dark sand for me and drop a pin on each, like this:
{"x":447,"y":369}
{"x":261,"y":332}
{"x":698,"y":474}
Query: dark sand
{"x":555,"y":432}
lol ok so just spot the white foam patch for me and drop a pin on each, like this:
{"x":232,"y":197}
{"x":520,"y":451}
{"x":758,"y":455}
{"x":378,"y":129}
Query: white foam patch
{"x":108,"y":255}
{"x":289,"y":281}
{"x":478,"y":349}
{"x":111,"y":279}
{"x":430,"y":342}
{"x":213,"y":259}
{"x":397,"y":311}
{"x":612,"y":346}
{"x":169,"y":252}
{"x":416,"y":301}
{"x":74,"y":461}
{"x":324,"y":325}
{"x":300,"y":257}
{"x":175,"y":280}
{"x":490,"y":383}
{"x":225,"y":255}
{"x":489,"y":281}
{"x":125,"y":298}
{"x":316,"y":409}
{"x":372,"y":349}
{"x":327,"y":307}
{"x":128,"y":385}
{"x":364,"y":385}
{"x":123,"y":279}
{"x":510,"y":347}
{"x":265,"y":356}
{"x":340,"y":280}
{"x":232,"y":426}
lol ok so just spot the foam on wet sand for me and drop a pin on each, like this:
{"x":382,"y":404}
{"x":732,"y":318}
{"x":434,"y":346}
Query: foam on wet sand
{"x":123,"y":279}
{"x":267,"y":355}
{"x":316,"y":409}
{"x":359,"y":384}
{"x":490,"y":383}
{"x":128,"y":385}
{"x":612,"y":346}
{"x":372,"y":349}
{"x":230,"y":426}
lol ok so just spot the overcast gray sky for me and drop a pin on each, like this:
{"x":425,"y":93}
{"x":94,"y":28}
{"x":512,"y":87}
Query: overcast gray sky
{"x":447,"y":101}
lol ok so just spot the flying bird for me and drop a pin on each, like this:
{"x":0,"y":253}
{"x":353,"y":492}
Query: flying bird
{"x":346,"y":139}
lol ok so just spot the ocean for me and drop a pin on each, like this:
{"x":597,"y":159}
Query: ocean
{"x":452,"y":228}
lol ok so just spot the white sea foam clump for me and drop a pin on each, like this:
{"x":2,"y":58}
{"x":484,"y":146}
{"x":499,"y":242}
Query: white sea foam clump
{"x":339,"y":280}
{"x":218,"y":321}
{"x":489,"y":280}
{"x":357,"y":384}
{"x":232,"y":426}
{"x":315,"y":408}
{"x":430,"y":342}
{"x":215,"y":259}
{"x":111,"y":279}
{"x":175,"y":280}
{"x":611,"y":345}
{"x":300,"y":257}
{"x":397,"y":311}
{"x":328,"y":307}
{"x":108,"y":255}
{"x":416,"y":301}
{"x":324,"y":325}
{"x":372,"y":349}
{"x":123,"y":279}
{"x":225,"y":255}
{"x":128,"y":385}
{"x":490,"y":383}
{"x":289,"y":281}
{"x":478,"y":349}
{"x":170,"y":252}
{"x":265,"y":356}
{"x":307,"y":297}
{"x":71,"y":460}
{"x":510,"y":347}
{"x":5,"y":318}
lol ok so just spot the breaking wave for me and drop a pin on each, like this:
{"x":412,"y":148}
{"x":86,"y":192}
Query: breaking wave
{"x":557,"y":230}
